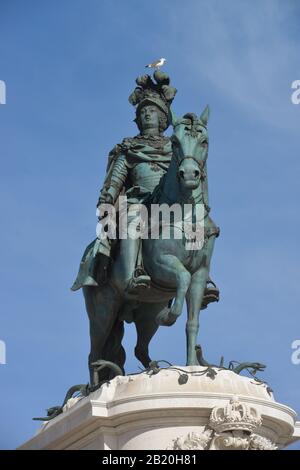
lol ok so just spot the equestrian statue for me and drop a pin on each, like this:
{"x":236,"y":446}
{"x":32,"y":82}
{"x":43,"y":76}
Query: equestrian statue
{"x":145,"y":279}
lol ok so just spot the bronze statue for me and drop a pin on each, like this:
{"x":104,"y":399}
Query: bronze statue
{"x":133,"y":279}
{"x":145,"y":279}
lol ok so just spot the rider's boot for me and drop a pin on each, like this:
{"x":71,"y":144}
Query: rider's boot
{"x":135,"y":277}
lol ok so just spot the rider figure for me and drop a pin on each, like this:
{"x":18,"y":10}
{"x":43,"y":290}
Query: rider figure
{"x":134,"y":169}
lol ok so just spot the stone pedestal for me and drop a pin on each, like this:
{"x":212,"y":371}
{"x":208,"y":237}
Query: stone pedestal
{"x":186,"y":409}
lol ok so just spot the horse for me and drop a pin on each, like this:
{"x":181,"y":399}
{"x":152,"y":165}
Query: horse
{"x":177,"y":272}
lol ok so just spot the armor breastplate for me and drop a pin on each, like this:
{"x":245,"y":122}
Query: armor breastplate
{"x":146,"y":175}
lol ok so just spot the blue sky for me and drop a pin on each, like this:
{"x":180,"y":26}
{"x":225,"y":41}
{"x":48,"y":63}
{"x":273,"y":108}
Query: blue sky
{"x":69,"y":67}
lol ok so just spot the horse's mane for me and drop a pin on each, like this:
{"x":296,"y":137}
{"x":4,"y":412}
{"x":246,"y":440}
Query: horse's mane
{"x":192,"y":116}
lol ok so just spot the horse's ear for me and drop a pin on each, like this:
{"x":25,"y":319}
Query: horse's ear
{"x":173,"y":117}
{"x":205,"y":115}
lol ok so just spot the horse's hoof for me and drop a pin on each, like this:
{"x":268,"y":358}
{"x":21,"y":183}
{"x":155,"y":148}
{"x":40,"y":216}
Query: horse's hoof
{"x":170,"y":322}
{"x":166,"y":319}
{"x":175,"y":310}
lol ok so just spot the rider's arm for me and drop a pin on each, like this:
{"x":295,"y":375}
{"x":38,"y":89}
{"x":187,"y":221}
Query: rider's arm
{"x":118,"y":175}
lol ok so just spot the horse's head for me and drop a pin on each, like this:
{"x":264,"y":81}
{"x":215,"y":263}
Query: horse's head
{"x":190,"y":147}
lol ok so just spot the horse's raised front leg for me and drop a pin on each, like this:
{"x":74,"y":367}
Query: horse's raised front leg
{"x":172,"y":272}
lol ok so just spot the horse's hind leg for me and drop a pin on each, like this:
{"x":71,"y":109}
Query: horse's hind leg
{"x":102,"y":306}
{"x":146,"y":326}
{"x":114,"y":350}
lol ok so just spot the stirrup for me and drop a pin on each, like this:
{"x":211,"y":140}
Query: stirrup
{"x":211,"y":294}
{"x":140,"y":279}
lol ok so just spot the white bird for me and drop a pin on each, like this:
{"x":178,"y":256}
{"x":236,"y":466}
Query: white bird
{"x":157,"y":64}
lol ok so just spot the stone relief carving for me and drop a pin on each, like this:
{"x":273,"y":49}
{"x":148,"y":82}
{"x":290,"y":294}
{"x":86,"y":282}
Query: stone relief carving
{"x":235,"y":416}
{"x":231,"y":440}
{"x":261,"y":443}
{"x":193,"y":440}
{"x":231,"y":427}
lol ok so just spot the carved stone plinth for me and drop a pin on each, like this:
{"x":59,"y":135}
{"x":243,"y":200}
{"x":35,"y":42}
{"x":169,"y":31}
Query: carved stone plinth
{"x":162,"y":412}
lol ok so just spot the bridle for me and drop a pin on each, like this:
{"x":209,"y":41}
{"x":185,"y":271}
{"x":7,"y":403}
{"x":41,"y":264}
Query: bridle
{"x":201,"y":164}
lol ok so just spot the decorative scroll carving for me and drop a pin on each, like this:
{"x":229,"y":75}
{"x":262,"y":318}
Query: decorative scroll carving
{"x":193,"y":440}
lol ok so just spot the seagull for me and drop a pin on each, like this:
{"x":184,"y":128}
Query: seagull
{"x":157,"y":64}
